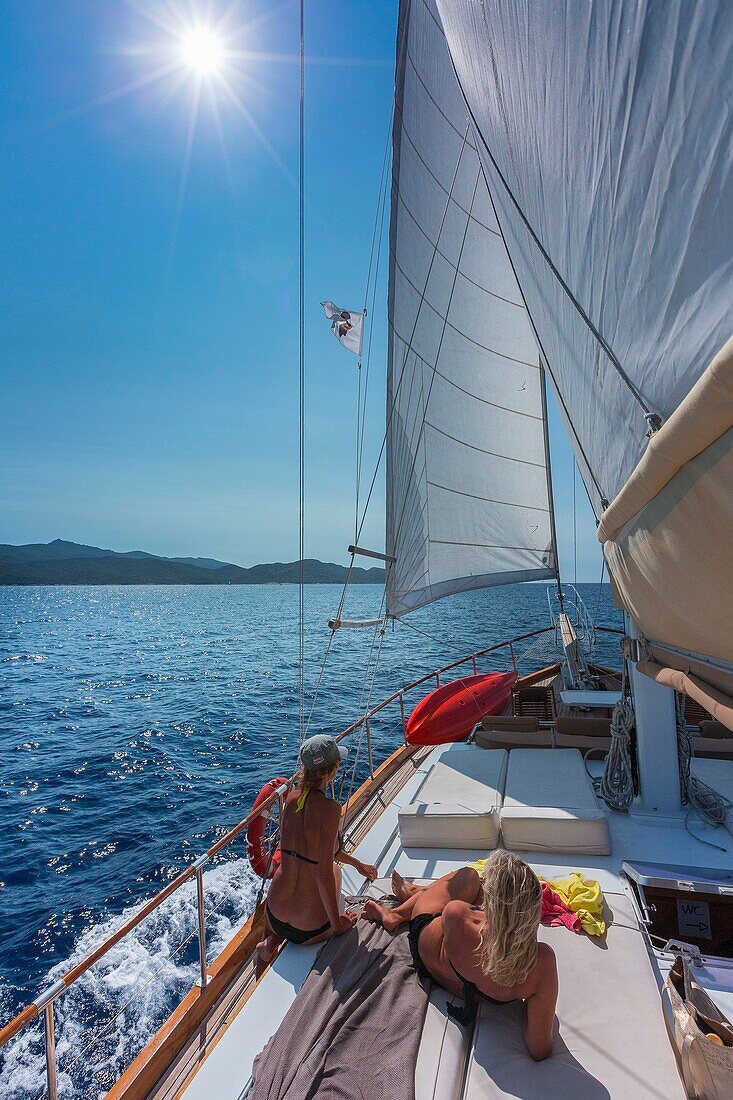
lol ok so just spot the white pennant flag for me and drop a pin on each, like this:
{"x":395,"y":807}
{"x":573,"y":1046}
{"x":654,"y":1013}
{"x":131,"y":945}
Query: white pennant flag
{"x":347,"y":327}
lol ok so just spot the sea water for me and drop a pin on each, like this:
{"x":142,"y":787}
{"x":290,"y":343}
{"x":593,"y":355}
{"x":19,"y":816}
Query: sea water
{"x":136,"y":725}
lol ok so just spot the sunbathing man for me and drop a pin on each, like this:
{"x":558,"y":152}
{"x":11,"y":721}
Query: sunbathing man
{"x":479,"y":940}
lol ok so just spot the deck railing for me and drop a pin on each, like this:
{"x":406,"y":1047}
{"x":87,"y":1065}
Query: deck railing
{"x":44,"y":1002}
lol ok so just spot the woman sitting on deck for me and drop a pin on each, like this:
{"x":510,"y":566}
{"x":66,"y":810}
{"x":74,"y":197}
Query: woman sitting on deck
{"x":303,"y":903}
{"x":479,"y":940}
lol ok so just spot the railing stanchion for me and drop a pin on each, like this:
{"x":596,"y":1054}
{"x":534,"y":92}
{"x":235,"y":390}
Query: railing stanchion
{"x":475,"y":672}
{"x":402,"y":713}
{"x":369,"y":746}
{"x":199,"y":865}
{"x":50,"y":1042}
{"x":514,"y":660}
{"x":437,"y":679}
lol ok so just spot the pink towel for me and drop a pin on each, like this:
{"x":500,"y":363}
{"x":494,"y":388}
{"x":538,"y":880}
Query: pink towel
{"x":556,"y":912}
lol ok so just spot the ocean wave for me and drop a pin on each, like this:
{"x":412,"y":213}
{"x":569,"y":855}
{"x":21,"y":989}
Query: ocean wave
{"x":106,"y":1018}
{"x":34,"y":657}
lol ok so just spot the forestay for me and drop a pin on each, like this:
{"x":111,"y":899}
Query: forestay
{"x":607,"y":126}
{"x":467,"y":484}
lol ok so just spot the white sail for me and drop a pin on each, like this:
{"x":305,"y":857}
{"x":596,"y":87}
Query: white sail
{"x":605,"y":133}
{"x":467,"y":481}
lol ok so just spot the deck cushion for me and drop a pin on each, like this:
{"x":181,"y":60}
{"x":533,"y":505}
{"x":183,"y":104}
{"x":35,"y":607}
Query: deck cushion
{"x":550,"y":805}
{"x":583,"y":733}
{"x":514,"y":739}
{"x":441,"y":1059}
{"x":458,"y":805}
{"x":610,"y":1041}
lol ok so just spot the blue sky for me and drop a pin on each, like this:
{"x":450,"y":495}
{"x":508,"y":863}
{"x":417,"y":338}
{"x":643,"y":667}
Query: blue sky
{"x":148,"y":320}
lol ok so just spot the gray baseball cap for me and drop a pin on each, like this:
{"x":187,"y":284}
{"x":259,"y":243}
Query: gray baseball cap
{"x":321,"y":751}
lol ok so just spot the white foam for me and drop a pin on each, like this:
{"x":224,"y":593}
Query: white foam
{"x":143,"y":972}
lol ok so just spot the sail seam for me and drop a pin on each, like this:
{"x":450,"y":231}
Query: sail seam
{"x":404,"y":132}
{"x":489,"y":500}
{"x":485,"y":545}
{"x":482,"y":450}
{"x":484,"y":347}
{"x":453,"y":267}
{"x":484,"y":400}
{"x":429,"y":94}
{"x":480,"y":286}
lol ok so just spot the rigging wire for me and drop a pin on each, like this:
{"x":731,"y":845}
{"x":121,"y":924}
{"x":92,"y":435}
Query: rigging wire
{"x":301,"y":456}
{"x":575,"y":530}
{"x":393,"y":404}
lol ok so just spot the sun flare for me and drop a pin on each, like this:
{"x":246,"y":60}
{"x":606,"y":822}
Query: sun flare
{"x":203,"y":51}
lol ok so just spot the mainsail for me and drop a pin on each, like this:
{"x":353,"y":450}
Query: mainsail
{"x":605,"y":133}
{"x":468,"y":498}
{"x":606,"y":136}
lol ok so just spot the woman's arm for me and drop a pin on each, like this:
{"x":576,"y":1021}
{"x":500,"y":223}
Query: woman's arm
{"x":330,"y":819}
{"x":540,"y":1019}
{"x":368,"y":870}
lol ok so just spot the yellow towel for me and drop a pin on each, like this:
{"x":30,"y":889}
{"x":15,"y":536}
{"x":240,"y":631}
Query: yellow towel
{"x":582,"y":895}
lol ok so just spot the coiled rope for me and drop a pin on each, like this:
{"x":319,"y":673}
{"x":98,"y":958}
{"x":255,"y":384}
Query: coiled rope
{"x":616,"y":787}
{"x":712,"y":808}
{"x":617,"y":781}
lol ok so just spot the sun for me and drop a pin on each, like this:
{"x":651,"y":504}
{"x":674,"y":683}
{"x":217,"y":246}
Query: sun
{"x":203,"y":51}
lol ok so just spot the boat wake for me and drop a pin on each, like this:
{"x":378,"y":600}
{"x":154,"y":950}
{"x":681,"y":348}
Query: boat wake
{"x":110,"y":1013}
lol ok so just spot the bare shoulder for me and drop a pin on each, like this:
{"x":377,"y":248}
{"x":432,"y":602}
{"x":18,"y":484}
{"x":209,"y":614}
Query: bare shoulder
{"x":328,"y":811}
{"x":458,"y":920}
{"x":456,"y":913}
{"x":544,"y":976}
{"x":546,"y":960}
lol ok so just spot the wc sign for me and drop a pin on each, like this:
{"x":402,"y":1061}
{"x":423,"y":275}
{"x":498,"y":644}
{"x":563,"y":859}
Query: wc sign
{"x":693,"y":918}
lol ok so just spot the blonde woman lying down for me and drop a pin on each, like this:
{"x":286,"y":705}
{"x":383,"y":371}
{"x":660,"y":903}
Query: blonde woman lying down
{"x":479,"y":940}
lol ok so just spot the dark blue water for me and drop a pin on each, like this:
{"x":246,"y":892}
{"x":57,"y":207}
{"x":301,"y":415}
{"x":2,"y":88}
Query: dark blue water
{"x":136,"y":725}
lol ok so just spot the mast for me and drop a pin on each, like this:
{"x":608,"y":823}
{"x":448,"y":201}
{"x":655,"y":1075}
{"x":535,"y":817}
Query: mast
{"x":550,"y":495}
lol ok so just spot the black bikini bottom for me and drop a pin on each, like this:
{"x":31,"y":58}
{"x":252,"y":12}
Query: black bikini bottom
{"x":471,"y":994}
{"x":290,"y":932}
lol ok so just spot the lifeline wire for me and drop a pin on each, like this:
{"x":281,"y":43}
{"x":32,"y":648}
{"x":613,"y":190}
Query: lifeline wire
{"x":301,"y":463}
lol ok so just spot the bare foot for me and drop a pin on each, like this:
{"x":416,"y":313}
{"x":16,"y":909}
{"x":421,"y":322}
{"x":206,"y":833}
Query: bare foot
{"x":401,"y":888}
{"x":266,"y":950}
{"x":380,"y":914}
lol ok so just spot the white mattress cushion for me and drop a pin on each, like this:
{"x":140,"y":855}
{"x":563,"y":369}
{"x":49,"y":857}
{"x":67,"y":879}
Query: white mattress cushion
{"x":443,"y":1053}
{"x":458,"y":805}
{"x":550,"y":805}
{"x":610,"y":1041}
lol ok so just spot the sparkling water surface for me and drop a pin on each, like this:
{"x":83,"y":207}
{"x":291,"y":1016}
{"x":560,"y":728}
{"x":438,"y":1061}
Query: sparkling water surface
{"x":137,"y":724}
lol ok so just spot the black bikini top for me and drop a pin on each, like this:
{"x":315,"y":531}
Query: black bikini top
{"x":289,"y":851}
{"x":297,"y":855}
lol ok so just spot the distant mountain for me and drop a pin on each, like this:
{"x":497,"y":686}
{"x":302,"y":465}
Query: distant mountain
{"x":61,"y":562}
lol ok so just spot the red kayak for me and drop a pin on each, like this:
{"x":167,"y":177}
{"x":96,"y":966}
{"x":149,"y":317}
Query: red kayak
{"x":450,"y":712}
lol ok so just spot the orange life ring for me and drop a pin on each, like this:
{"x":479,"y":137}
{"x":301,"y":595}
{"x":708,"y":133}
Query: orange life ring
{"x":259,"y":857}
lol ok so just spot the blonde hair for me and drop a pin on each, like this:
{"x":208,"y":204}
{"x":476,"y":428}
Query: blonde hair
{"x":512,"y":909}
{"x":308,"y":778}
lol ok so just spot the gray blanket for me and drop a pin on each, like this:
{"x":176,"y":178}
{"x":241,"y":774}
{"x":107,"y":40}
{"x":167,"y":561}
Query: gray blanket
{"x":354,"y":1029}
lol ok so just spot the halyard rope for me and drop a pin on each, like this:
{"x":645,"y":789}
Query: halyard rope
{"x":617,"y":782}
{"x":712,"y":808}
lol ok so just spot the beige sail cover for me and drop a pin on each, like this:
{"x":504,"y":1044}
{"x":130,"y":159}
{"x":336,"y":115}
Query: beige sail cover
{"x":668,"y":535}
